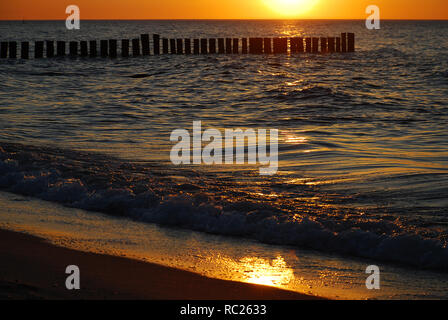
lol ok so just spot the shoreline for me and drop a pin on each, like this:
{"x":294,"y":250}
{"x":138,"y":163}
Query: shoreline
{"x":31,"y":268}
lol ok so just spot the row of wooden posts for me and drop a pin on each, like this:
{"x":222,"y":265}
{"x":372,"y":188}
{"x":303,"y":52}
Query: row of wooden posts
{"x":141,"y":46}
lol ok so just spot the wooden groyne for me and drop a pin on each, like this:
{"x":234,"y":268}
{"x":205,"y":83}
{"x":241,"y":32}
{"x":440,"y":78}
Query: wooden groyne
{"x":143,"y":46}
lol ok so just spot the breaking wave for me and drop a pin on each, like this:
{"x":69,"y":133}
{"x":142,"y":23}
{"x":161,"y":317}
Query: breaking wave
{"x":154,"y":193}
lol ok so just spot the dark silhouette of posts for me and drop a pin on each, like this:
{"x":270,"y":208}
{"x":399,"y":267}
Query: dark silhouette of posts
{"x":112,"y":48}
{"x":145,"y":44}
{"x":165,"y":46}
{"x":280,"y":45}
{"x":84,"y":49}
{"x":4,"y":50}
{"x":323,"y":45}
{"x":60,"y":48}
{"x":173,"y":46}
{"x":156,"y":44}
{"x":267,"y":42}
{"x":38,"y":49}
{"x":50,"y":48}
{"x":93,"y":51}
{"x":12,"y":49}
{"x":196,"y":46}
{"x":255,"y":45}
{"x":212,"y":46}
{"x":104,"y":48}
{"x":221,"y":46}
{"x":73,"y":48}
{"x":179,"y":46}
{"x":25,"y":50}
{"x":331,"y":48}
{"x":228,"y":46}
{"x":351,"y":42}
{"x":236,"y":46}
{"x":136,"y":47}
{"x":308,"y":45}
{"x":277,"y":45}
{"x":338,"y":44}
{"x":125,"y":48}
{"x":244,"y":47}
{"x":343,"y":42}
{"x":187,"y":46}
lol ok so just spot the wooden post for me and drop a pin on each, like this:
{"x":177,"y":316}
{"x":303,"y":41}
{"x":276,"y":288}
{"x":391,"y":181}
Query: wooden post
{"x":4,"y":50}
{"x":255,"y":45}
{"x":294,"y":45}
{"x":280,"y":45}
{"x":165,"y":46}
{"x":125,"y":48}
{"x":204,"y":49}
{"x":156,"y":44}
{"x":331,"y":44}
{"x":187,"y":46}
{"x":145,"y":44}
{"x":104,"y":48}
{"x":60,"y":48}
{"x":93,"y":52}
{"x":84,"y":49}
{"x":228,"y":45}
{"x":112,"y":48}
{"x":315,"y":45}
{"x":343,"y":42}
{"x":236,"y":46}
{"x":338,"y":44}
{"x":212,"y":46}
{"x":221,"y":46}
{"x":38,"y":49}
{"x":196,"y":46}
{"x":50,"y":48}
{"x":267,"y":43}
{"x":136,"y":47}
{"x":308,"y":45}
{"x":300,"y":46}
{"x":73,"y":48}
{"x":180,"y":46}
{"x":25,"y":50}
{"x":323,"y":45}
{"x":351,"y":42}
{"x":12,"y":49}
{"x":173,"y":46}
{"x":244,"y":49}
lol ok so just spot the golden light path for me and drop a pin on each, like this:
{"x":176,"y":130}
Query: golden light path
{"x":262,"y":271}
{"x":290,"y":8}
{"x":259,"y":270}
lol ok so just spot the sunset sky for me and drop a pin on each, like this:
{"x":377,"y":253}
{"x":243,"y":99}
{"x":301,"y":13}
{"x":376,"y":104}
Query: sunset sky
{"x":222,"y":9}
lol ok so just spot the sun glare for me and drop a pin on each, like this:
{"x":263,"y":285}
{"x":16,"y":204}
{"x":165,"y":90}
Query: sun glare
{"x":290,"y":8}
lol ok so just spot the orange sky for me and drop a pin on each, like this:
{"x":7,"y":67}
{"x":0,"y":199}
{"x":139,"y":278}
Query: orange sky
{"x":219,"y":9}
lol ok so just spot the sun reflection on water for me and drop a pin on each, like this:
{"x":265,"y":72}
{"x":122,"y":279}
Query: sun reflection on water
{"x":265,"y":272}
{"x":292,"y":139}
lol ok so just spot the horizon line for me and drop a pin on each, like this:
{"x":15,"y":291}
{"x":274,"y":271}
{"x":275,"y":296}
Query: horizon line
{"x":234,"y":19}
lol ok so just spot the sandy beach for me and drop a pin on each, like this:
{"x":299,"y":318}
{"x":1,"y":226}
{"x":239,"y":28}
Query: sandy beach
{"x":30,"y":268}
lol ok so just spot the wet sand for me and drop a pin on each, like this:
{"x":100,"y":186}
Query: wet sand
{"x":31,"y":268}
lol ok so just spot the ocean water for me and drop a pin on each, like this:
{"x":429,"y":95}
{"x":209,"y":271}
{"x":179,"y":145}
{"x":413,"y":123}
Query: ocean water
{"x":363,"y":150}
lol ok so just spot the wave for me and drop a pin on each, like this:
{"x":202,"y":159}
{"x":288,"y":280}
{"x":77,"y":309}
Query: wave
{"x":155,"y":193}
{"x":140,"y":75}
{"x":308,"y":92}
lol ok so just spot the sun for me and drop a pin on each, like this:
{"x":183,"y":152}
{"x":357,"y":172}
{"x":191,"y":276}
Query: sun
{"x":290,"y":8}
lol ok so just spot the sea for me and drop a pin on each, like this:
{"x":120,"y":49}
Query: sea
{"x":362,"y":154}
